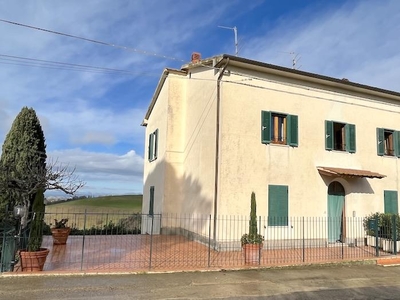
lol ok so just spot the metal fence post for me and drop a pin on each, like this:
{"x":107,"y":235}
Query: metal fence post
{"x":151,"y":239}
{"x":209,"y":242}
{"x":259,"y":248}
{"x":83,"y":238}
{"x":343,"y":241}
{"x":376,"y":236}
{"x":2,"y":249}
{"x":394,"y":230}
{"x":304,"y":243}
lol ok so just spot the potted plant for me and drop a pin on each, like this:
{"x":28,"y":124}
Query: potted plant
{"x":60,"y":232}
{"x":372,"y":223}
{"x":252,"y":242}
{"x":33,"y":257}
{"x":391,"y":234}
{"x":378,"y":227}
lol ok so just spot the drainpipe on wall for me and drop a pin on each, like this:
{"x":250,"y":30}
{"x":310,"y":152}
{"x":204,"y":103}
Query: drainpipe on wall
{"x":217,"y":149}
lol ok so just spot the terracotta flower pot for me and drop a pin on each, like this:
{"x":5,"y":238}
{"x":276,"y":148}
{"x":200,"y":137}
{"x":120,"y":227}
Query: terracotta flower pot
{"x":60,"y":235}
{"x":252,"y":253}
{"x":33,"y":261}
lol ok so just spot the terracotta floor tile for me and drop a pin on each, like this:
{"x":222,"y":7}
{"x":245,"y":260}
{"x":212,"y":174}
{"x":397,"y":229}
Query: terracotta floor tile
{"x":134,"y":253}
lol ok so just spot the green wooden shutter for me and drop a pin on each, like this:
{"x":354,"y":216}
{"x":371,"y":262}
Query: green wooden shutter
{"x":328,"y":135}
{"x":265,"y":127}
{"x":380,"y":138}
{"x":155,"y":144}
{"x":350,"y":132}
{"x":391,"y":202}
{"x":278,"y":206}
{"x":396,"y":142}
{"x":151,"y":139}
{"x":292,"y":130}
{"x":151,"y":201}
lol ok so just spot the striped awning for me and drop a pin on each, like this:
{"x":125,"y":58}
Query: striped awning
{"x":328,"y":171}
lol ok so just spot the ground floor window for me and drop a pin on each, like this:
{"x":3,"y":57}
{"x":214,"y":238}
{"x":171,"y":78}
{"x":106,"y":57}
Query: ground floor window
{"x":151,"y":201}
{"x":278,"y":205}
{"x":390,"y":202}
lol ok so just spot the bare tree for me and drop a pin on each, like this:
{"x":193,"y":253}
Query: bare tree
{"x":55,"y":176}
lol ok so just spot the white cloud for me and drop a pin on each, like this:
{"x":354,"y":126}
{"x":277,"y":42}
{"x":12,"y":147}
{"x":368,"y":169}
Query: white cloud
{"x":103,"y":171}
{"x":358,"y":41}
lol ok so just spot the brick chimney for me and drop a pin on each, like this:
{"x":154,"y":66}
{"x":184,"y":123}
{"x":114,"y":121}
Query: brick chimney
{"x":196,"y":57}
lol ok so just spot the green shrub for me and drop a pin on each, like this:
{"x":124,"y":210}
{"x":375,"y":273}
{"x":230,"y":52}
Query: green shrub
{"x":384,"y":226}
{"x":129,"y":225}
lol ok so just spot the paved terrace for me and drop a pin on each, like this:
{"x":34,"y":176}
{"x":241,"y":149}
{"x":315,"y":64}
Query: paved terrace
{"x":140,"y":253}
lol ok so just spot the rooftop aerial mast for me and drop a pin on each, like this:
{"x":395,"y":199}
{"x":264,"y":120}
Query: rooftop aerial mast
{"x":236,"y":37}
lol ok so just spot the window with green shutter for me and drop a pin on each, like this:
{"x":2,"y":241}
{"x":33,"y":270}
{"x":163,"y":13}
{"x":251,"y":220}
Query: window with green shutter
{"x":278,"y":128}
{"x":340,"y":136}
{"x":153,"y":145}
{"x":278,"y":205}
{"x":396,"y":142}
{"x":388,"y":142}
{"x":390,"y":202}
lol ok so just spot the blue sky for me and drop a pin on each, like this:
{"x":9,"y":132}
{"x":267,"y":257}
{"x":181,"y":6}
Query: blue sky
{"x":91,"y":117}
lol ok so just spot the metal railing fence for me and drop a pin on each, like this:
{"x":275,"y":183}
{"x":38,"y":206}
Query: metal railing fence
{"x":101,"y":242}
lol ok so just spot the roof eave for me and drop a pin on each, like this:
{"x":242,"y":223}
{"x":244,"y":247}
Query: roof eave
{"x":159,"y":87}
{"x":302,"y":75}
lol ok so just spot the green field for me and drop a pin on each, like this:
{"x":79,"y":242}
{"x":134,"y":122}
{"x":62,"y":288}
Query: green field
{"x":96,"y":211}
{"x":131,"y":203}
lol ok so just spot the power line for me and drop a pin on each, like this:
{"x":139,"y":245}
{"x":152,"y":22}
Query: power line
{"x":55,"y":65}
{"x":33,"y":62}
{"x":93,"y":41}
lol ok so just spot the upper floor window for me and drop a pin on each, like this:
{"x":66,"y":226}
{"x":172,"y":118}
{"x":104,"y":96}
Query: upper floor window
{"x":388,"y":142}
{"x":153,"y":145}
{"x":278,"y":128}
{"x":340,"y":136}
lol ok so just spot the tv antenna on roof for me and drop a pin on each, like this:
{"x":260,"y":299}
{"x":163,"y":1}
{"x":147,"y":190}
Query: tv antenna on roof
{"x":236,"y":37}
{"x":295,"y":60}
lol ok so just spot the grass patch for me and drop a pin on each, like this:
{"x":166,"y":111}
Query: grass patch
{"x":99,"y":211}
{"x":131,"y":203}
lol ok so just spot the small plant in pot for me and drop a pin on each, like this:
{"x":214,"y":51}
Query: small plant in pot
{"x":252,"y":242}
{"x":60,"y":232}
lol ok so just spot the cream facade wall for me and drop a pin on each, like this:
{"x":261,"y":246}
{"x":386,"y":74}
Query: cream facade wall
{"x":248,"y":165}
{"x":183,"y":174}
{"x":198,"y":153}
{"x":185,"y":113}
{"x":155,"y":171}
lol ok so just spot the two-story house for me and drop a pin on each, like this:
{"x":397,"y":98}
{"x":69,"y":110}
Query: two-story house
{"x":307,"y":145}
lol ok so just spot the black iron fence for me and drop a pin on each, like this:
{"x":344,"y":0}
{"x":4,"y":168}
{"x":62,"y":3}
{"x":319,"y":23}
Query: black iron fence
{"x":134,"y":242}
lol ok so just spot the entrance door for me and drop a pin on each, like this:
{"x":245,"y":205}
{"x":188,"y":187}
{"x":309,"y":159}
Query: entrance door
{"x":336,"y":212}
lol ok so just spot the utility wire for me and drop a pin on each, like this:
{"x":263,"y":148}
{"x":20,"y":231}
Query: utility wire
{"x":93,"y":41}
{"x":24,"y":61}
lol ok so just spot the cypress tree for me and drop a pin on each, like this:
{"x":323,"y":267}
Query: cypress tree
{"x":23,"y":158}
{"x":253,"y":231}
{"x":253,"y":237}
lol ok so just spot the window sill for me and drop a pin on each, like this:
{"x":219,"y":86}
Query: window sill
{"x":340,"y":151}
{"x":388,"y":156}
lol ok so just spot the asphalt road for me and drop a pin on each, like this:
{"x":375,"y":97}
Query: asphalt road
{"x":310,"y":282}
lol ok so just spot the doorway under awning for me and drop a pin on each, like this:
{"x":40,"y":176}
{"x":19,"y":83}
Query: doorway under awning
{"x":342,"y":172}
